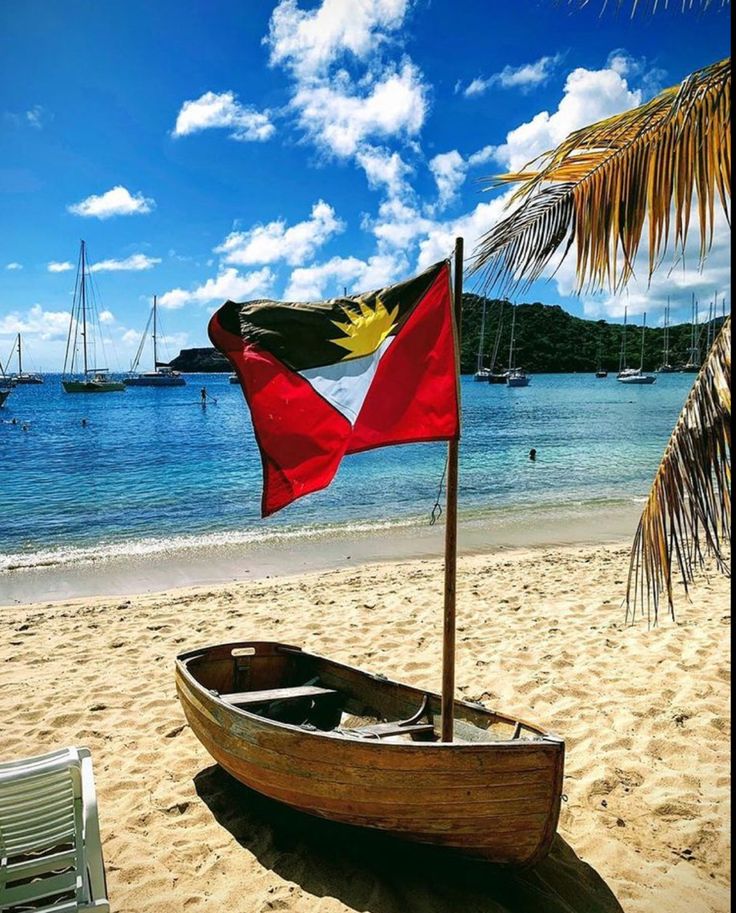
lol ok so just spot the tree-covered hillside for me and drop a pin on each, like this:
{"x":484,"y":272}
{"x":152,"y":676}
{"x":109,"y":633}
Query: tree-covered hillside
{"x":549,"y":340}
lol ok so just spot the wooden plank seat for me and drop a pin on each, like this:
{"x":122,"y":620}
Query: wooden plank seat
{"x":255,"y":698}
{"x":384,"y":730}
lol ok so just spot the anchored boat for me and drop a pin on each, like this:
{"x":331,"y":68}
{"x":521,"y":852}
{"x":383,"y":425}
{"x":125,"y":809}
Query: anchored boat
{"x":83,"y":326}
{"x":162,"y":375}
{"x":22,"y":377}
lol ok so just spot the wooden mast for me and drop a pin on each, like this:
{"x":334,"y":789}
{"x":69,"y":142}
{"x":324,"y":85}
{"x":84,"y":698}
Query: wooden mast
{"x":448,"y":639}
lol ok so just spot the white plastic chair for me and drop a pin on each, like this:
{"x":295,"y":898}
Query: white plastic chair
{"x":50,"y":848}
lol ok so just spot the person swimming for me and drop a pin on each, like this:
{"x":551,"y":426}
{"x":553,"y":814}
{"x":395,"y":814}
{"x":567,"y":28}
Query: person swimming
{"x":533,"y":454}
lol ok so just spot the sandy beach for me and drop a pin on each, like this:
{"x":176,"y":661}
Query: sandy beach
{"x":645,"y":714}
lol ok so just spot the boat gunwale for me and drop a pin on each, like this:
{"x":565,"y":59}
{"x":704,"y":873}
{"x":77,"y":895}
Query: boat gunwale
{"x":546,"y":740}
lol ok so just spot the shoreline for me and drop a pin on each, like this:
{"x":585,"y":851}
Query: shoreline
{"x":205,"y":563}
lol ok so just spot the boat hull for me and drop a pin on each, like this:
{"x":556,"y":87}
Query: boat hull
{"x":89,"y":386}
{"x":517,"y":381}
{"x":4,"y":394}
{"x":498,"y":800}
{"x":643,"y":380}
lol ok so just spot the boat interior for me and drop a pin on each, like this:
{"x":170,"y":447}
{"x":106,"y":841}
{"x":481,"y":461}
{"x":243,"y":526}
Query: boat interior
{"x":284,"y":684}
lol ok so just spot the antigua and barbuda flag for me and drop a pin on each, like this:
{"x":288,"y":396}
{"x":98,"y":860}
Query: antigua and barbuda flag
{"x":327,"y":378}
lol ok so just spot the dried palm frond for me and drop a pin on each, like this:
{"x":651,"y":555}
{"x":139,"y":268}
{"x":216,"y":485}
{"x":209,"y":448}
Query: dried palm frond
{"x":688,"y":513}
{"x":604,"y":182}
{"x":654,"y":4}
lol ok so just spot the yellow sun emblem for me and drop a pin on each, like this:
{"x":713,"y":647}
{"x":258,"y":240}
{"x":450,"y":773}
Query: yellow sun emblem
{"x":365,"y":331}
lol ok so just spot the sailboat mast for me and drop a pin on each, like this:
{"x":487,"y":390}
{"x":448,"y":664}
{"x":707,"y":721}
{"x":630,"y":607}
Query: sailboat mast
{"x":20,"y":357}
{"x":643,"y":330}
{"x":666,"y":353}
{"x":622,"y":356}
{"x":84,"y":312}
{"x":511,"y":342}
{"x":155,"y":355}
{"x":448,"y":638}
{"x":482,"y":336}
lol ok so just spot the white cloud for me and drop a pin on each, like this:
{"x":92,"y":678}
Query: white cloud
{"x":450,"y":169}
{"x":107,"y":317}
{"x":309,"y":41}
{"x":524,"y":77}
{"x":56,"y":266}
{"x":229,"y":284}
{"x":223,"y":110}
{"x":274,"y":241}
{"x":36,"y":117}
{"x":310,"y":283}
{"x":339,"y":115}
{"x":115,"y":202}
{"x":135,"y":262}
{"x":651,"y":78}
{"x":14,"y":265}
{"x":588,"y":96}
{"x":350,"y":114}
{"x":384,"y":169}
{"x":37,"y":322}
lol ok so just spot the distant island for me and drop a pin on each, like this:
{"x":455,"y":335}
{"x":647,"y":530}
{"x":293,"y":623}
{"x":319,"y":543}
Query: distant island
{"x":548,"y":341}
{"x":206,"y":360}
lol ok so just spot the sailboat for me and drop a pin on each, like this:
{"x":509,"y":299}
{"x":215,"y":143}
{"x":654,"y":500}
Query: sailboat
{"x":481,"y":372}
{"x":358,"y":748}
{"x":692,"y":365}
{"x":162,"y":375}
{"x":516,"y":377}
{"x":666,"y":367}
{"x":495,"y":375}
{"x":23,"y":377}
{"x":637,"y":375}
{"x":82,"y":323}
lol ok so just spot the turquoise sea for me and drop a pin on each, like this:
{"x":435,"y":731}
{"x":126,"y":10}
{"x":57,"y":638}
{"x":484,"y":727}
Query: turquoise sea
{"x":153,"y":469}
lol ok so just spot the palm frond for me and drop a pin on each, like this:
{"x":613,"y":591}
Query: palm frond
{"x":600,"y":187}
{"x":688,"y":513}
{"x":654,"y":5}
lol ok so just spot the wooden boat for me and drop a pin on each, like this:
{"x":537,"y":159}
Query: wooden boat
{"x":343,"y":744}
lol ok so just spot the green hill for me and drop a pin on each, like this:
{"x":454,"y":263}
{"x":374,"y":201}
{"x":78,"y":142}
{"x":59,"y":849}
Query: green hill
{"x":549,"y":340}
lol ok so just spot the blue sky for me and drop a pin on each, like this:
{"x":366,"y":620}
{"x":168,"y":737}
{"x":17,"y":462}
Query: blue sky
{"x":292,"y":149}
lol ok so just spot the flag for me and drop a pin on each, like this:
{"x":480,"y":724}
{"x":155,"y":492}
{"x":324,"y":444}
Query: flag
{"x":333,"y":377}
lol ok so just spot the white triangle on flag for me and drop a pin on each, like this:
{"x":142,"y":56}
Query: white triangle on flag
{"x":345,"y":384}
